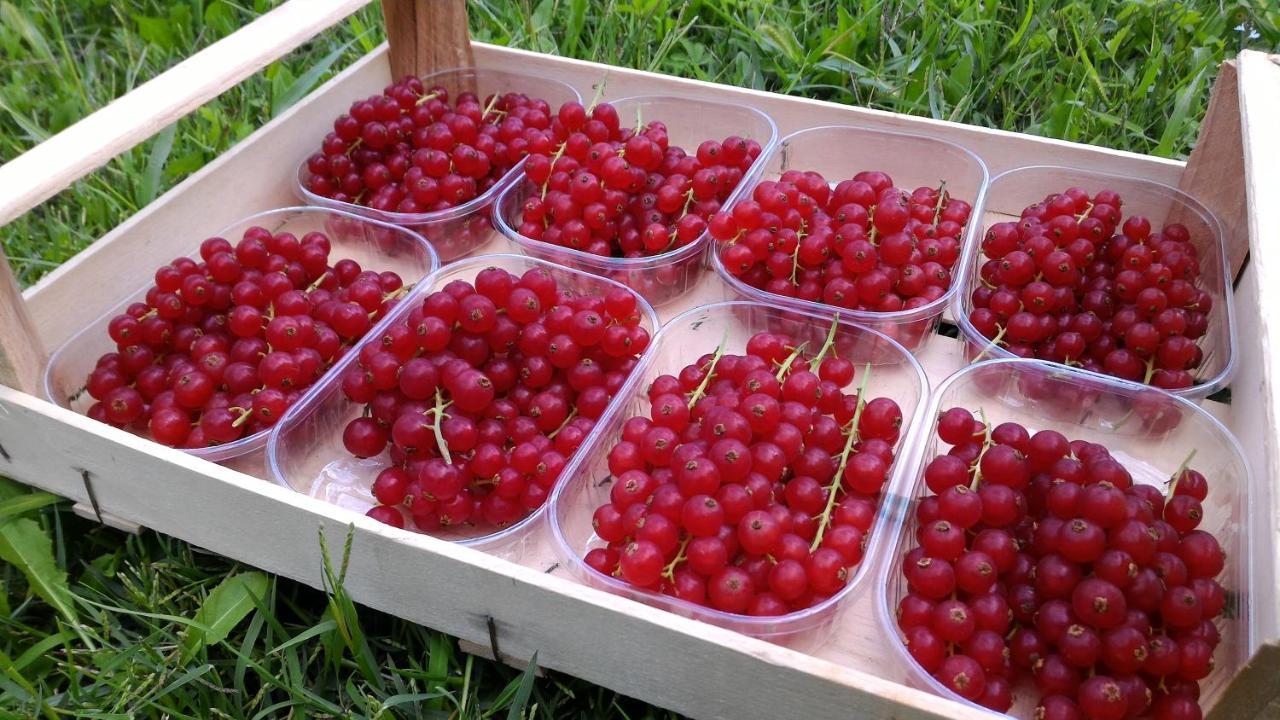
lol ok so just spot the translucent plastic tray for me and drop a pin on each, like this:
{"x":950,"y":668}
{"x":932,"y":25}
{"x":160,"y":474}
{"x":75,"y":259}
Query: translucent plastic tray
{"x":840,"y":151}
{"x":306,"y":453}
{"x":1015,"y":189}
{"x":459,"y":230}
{"x":375,"y":245}
{"x":1149,"y":431}
{"x":665,"y":277}
{"x":685,"y":338}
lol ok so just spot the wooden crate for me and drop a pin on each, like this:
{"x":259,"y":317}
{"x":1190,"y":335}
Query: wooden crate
{"x":510,"y":609}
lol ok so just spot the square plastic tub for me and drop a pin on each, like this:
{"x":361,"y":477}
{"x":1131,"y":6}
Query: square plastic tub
{"x":458,"y":230}
{"x":306,"y":454}
{"x":686,"y":337}
{"x":838,"y":152}
{"x":375,"y":245}
{"x":1149,"y":431}
{"x":690,"y":121}
{"x":1013,"y":190}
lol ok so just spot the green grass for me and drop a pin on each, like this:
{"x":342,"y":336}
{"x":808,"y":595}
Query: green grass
{"x":99,"y":624}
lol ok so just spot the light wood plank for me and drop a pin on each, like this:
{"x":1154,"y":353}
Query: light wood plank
{"x":59,"y":161}
{"x":1215,"y":169}
{"x":22,"y":353}
{"x":427,"y":36}
{"x":1256,"y":396}
{"x":681,"y":664}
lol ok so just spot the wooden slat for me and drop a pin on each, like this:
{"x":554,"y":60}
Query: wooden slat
{"x":1256,"y":392}
{"x":22,"y":354}
{"x":427,"y":36}
{"x":59,"y":161}
{"x":1215,"y":169}
{"x":691,"y":667}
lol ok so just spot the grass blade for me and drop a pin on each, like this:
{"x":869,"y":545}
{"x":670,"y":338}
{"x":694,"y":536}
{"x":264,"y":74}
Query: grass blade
{"x":229,"y":603}
{"x":518,"y":703}
{"x":23,"y":504}
{"x":160,"y":149}
{"x":26,"y":546}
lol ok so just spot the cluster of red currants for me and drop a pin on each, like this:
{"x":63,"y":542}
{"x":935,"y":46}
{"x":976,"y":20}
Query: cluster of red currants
{"x":626,"y":192}
{"x":484,"y":392}
{"x":752,"y":485}
{"x":1040,"y":557}
{"x":863,"y":244}
{"x":221,"y":348}
{"x":408,"y":151}
{"x":1062,"y":284}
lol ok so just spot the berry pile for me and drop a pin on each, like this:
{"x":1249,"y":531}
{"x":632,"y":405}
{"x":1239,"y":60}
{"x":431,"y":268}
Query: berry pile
{"x":752,"y":485}
{"x":484,"y":392}
{"x":409,"y":151}
{"x":1040,"y":558}
{"x":1073,"y":283}
{"x":221,"y":348}
{"x":862,"y":244}
{"x":626,"y":192}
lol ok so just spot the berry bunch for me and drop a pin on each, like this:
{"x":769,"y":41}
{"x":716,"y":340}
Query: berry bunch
{"x":222,"y":347}
{"x":1074,"y":283}
{"x":753,"y":483}
{"x":862,"y":244}
{"x":409,"y":151}
{"x":484,"y":392}
{"x":1040,"y":557}
{"x":626,"y":192}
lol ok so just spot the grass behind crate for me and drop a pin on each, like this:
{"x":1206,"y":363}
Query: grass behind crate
{"x":113,"y":626}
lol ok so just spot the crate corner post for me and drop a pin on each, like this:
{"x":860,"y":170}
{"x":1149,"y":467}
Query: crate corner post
{"x":426,"y":36}
{"x":22,"y":354}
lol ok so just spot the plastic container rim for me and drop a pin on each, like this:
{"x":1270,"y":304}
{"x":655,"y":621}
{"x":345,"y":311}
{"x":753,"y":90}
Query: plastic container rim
{"x":425,"y":287}
{"x":886,"y":513}
{"x":1208,"y":387}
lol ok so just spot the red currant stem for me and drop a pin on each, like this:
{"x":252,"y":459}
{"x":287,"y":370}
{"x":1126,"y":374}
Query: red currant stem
{"x":1177,"y":474}
{"x":1086,"y":212}
{"x":701,"y":390}
{"x":986,"y":445}
{"x":1151,"y":371}
{"x":354,"y":145}
{"x":429,"y":97}
{"x":438,"y":411}
{"x":639,"y":121}
{"x":244,"y":416}
{"x":942,"y":196}
{"x":401,"y":292}
{"x":573,"y":412}
{"x":669,"y":572}
{"x":785,"y":367}
{"x":995,"y":342}
{"x":547,"y":184}
{"x":599,"y":94}
{"x":148,"y":314}
{"x":828,"y":345}
{"x":315,"y":284}
{"x":824,"y":520}
{"x":489,"y":108}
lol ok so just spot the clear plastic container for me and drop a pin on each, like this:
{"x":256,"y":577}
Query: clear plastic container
{"x":838,"y":152}
{"x":1013,"y":190}
{"x":685,"y":338}
{"x":306,"y":454}
{"x":1042,"y":395}
{"x":375,"y":245}
{"x":458,"y":230}
{"x":690,"y":121}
